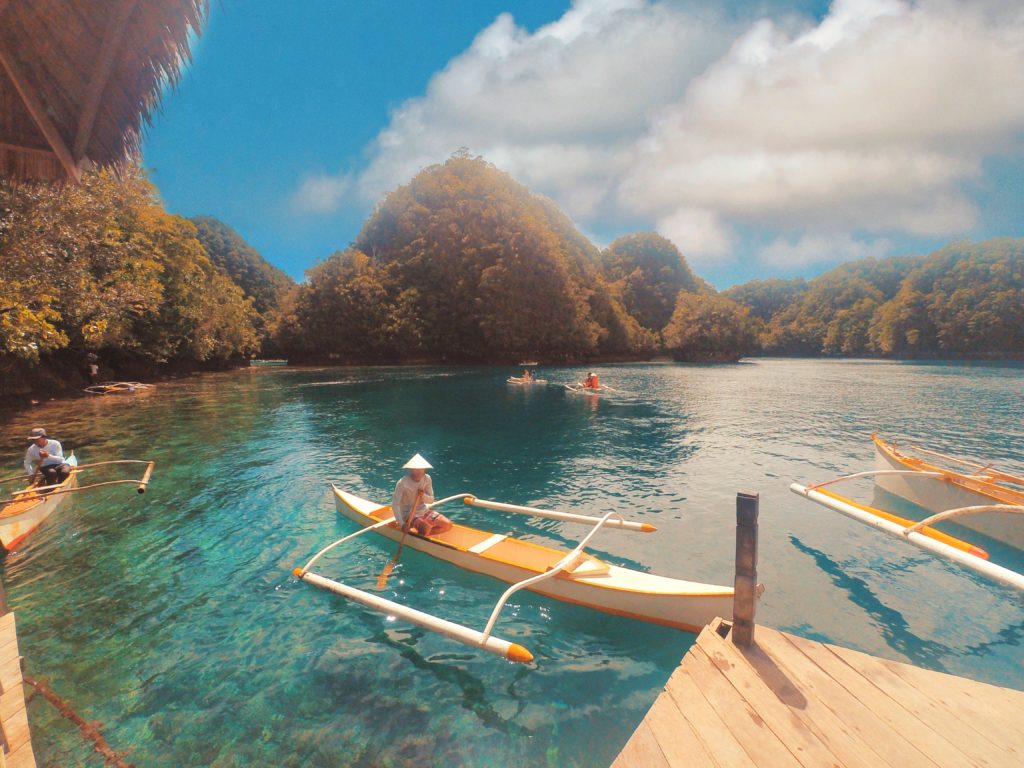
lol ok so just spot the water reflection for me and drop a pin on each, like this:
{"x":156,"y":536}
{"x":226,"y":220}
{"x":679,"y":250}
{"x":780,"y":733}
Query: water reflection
{"x":172,"y":617}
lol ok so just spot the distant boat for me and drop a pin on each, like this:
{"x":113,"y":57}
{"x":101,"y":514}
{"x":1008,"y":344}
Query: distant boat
{"x":521,"y":381}
{"x":528,"y":363}
{"x":118,"y":388}
{"x":264,"y":363}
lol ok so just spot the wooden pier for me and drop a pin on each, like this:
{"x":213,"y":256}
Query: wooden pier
{"x":746,"y":696}
{"x":17,"y":742}
{"x":788,"y":701}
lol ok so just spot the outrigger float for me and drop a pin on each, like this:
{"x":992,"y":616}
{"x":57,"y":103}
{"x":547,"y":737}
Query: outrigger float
{"x":525,"y":382}
{"x":949,"y":495}
{"x":579,"y":389}
{"x":118,"y":388}
{"x":574,"y":577}
{"x":25,"y":510}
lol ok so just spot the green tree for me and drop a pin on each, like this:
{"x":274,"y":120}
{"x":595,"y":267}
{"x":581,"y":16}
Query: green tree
{"x":709,"y":327}
{"x":649,"y":272}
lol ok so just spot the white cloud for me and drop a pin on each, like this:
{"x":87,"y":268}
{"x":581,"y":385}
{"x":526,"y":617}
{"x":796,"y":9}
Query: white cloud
{"x":321,"y":193}
{"x":697,"y":232}
{"x":818,"y":249}
{"x":872,"y":120}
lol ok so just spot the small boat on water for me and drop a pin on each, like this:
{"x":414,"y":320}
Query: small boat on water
{"x":525,"y":382}
{"x":985,"y":502}
{"x":930,"y":481}
{"x":119,"y":388}
{"x":529,"y":363}
{"x":25,"y":510}
{"x":574,"y":577}
{"x":28,"y":508}
{"x":267,"y":363}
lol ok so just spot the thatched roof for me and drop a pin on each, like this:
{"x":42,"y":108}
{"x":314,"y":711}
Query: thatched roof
{"x":79,"y":77}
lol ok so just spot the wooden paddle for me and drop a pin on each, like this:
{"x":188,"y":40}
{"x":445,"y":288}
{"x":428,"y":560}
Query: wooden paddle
{"x":382,"y":580}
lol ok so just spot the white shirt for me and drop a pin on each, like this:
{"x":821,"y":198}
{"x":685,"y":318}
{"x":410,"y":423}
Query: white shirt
{"x":405,"y":494}
{"x":55,"y":458}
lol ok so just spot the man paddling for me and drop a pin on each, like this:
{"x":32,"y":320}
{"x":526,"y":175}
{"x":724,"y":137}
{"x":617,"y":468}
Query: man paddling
{"x":417,"y":488}
{"x":45,"y":457}
{"x":592,"y":382}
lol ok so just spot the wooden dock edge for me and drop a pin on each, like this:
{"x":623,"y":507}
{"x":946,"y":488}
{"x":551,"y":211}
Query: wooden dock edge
{"x":14,"y":730}
{"x":789,"y":701}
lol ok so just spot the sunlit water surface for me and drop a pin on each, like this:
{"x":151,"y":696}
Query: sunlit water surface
{"x":172,"y":618}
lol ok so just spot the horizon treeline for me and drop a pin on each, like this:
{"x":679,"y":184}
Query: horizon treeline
{"x":462,"y":264}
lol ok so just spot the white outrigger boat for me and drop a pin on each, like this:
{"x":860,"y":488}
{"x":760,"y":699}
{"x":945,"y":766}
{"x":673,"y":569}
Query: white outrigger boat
{"x":525,"y":382}
{"x":574,"y":577}
{"x":981,"y":501}
{"x":937,"y":488}
{"x":26,"y":509}
{"x":118,"y":388}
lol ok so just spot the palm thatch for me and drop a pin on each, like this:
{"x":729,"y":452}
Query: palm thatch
{"x":80,"y":78}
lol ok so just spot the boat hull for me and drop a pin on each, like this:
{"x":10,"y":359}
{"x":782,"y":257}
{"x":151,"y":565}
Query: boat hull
{"x":601,"y":586}
{"x":19,"y":518}
{"x":940,"y":494}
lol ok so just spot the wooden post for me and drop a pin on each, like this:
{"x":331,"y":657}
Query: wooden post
{"x":744,"y":600}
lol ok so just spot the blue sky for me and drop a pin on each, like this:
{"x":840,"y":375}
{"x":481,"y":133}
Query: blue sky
{"x":768,"y":138}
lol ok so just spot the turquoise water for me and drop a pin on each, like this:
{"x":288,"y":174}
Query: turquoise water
{"x":172,"y":618}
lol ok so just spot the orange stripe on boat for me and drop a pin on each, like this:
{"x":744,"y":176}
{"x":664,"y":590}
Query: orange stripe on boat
{"x":928,"y":531}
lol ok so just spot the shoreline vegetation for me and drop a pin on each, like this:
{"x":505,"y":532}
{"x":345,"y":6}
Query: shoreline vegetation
{"x":463,"y":265}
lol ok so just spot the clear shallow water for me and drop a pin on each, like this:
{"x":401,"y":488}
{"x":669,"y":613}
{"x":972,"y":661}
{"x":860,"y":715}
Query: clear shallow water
{"x":173,"y":620}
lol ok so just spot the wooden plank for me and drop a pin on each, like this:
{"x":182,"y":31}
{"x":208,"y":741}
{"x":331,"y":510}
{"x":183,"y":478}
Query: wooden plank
{"x":934,"y":736}
{"x":37,"y":109}
{"x":675,"y":735}
{"x":16,"y":729}
{"x":718,"y":739}
{"x":792,"y":730}
{"x":643,"y":750}
{"x":109,"y":48}
{"x":850,"y":722}
{"x":743,"y":721}
{"x":12,"y":700}
{"x":10,"y":673}
{"x":22,"y":758}
{"x":961,"y":717}
{"x":990,"y":701}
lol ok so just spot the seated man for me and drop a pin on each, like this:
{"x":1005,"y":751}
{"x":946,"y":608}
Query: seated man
{"x":592,"y":382}
{"x":417,"y":487}
{"x":44,"y":459}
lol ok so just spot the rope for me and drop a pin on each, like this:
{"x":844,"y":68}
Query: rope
{"x":91,"y":731}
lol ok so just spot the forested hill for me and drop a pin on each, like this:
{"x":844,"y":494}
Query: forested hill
{"x":258,"y":278}
{"x":964,"y":301}
{"x":463,"y":264}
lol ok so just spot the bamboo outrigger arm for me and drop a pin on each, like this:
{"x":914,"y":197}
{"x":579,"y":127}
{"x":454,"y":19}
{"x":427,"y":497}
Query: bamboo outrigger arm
{"x":567,"y":563}
{"x":48,"y":490}
{"x":982,"y":468}
{"x":568,"y":517}
{"x":874,"y":473}
{"x":949,"y":514}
